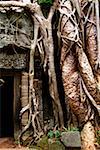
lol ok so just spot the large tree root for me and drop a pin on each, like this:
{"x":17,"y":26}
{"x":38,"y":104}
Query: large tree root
{"x":91,"y":41}
{"x":69,"y":28}
{"x":88,"y":137}
{"x":74,"y":89}
{"x":45,"y":26}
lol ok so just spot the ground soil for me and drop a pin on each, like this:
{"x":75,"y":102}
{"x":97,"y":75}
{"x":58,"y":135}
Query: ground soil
{"x":9,"y":144}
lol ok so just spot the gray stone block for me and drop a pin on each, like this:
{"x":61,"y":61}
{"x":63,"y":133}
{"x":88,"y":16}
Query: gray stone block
{"x":71,"y":139}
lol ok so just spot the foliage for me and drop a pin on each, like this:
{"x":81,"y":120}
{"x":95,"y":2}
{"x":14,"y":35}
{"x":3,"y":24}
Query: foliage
{"x":71,"y":129}
{"x":57,"y":134}
{"x":54,"y":134}
{"x":50,"y":134}
{"x":45,"y":2}
{"x":98,"y":136}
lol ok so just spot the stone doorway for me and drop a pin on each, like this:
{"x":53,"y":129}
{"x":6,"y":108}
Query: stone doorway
{"x":6,"y":107}
{"x":10,"y":103}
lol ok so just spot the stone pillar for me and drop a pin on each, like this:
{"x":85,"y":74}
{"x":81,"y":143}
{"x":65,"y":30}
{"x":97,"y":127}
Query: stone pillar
{"x":24,"y":97}
{"x":16,"y":104}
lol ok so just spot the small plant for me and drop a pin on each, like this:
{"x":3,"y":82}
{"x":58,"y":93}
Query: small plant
{"x":50,"y":134}
{"x":71,"y":129}
{"x":57,"y":134}
{"x":54,"y":134}
{"x":98,"y":136}
{"x":45,"y":2}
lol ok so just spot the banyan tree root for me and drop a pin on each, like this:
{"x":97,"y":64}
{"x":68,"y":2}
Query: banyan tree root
{"x":91,"y":43}
{"x":46,"y":30}
{"x":45,"y":26}
{"x":33,"y":105}
{"x":91,"y":35}
{"x":88,"y":137}
{"x":33,"y":118}
{"x":87,"y":74}
{"x":70,"y":75}
{"x":97,"y":10}
{"x":87,"y":62}
{"x":71,"y":83}
{"x":52,"y":75}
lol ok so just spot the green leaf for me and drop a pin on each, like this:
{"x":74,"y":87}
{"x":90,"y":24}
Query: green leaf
{"x":98,"y":132}
{"x":57,"y":134}
{"x":50,"y":134}
{"x":74,"y":129}
{"x":45,"y":1}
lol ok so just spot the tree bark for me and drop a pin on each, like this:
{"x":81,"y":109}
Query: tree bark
{"x":88,"y":137}
{"x":77,"y":66}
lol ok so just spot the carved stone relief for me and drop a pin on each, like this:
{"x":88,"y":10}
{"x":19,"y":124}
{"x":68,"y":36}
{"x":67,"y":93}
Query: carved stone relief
{"x":16,"y":61}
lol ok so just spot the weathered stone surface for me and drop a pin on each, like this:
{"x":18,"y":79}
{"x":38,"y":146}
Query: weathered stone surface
{"x":15,"y":28}
{"x":17,"y":61}
{"x":24,"y":97}
{"x":71,"y":139}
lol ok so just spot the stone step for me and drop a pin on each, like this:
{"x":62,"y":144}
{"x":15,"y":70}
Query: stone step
{"x":71,"y":139}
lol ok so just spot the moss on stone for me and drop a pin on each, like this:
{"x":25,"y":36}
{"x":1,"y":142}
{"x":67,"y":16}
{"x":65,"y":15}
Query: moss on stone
{"x":43,"y":143}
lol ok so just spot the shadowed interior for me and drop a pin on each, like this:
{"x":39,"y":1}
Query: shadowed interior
{"x":6,"y":107}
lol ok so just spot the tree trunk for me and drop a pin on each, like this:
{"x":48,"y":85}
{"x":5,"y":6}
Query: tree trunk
{"x":77,"y":64}
{"x":88,"y":137}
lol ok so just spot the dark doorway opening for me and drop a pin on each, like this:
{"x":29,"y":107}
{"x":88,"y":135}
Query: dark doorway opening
{"x":6,"y":107}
